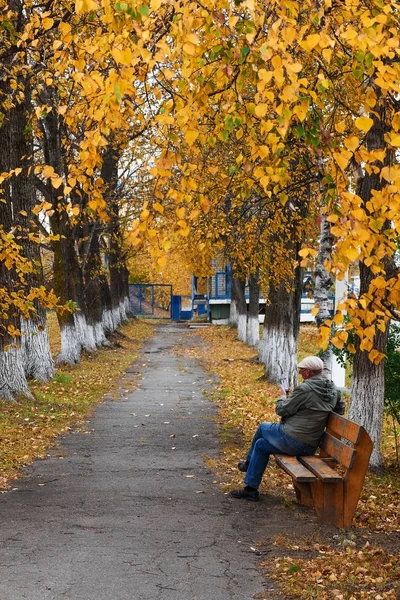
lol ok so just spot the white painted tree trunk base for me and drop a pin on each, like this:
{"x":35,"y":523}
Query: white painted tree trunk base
{"x":233,"y":314}
{"x":70,"y":346}
{"x":100,"y":336}
{"x":253,"y":331}
{"x":128,"y":310}
{"x":35,"y":350}
{"x":116,"y":317}
{"x":12,"y":375}
{"x":278,"y":352}
{"x":366,"y":409}
{"x":242,"y":328}
{"x":122,"y":312}
{"x":85,"y":333}
{"x":107,"y":322}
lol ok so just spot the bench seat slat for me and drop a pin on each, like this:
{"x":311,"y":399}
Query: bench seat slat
{"x":293,"y":467}
{"x":320,"y":469}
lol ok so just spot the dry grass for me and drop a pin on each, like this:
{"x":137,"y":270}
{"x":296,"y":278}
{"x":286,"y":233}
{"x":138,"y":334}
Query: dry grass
{"x":28,"y":428}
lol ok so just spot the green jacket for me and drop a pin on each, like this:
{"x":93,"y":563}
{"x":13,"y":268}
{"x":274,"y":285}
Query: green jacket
{"x":304,"y":414}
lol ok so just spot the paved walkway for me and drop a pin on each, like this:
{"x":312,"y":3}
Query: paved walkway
{"x":128,"y":510}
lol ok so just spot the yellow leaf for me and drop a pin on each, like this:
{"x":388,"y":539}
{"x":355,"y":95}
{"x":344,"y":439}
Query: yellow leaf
{"x":340,"y":127}
{"x":162,"y":261}
{"x":191,"y":136}
{"x":48,"y":171}
{"x":352,"y":253}
{"x":337,"y":342}
{"x":205,"y":205}
{"x":189,"y":48}
{"x":261,"y":110}
{"x":56,"y":182}
{"x":75,"y":210}
{"x":342,"y":159}
{"x":82,"y":6}
{"x":315,"y":310}
{"x":180,"y":212}
{"x":310,"y":42}
{"x":375,"y":356}
{"x":23,"y":213}
{"x":394,"y":139}
{"x":158,"y":207}
{"x":364,"y":123}
{"x":47,"y":23}
{"x":338,"y":318}
{"x":304,"y":252}
{"x":351,"y":143}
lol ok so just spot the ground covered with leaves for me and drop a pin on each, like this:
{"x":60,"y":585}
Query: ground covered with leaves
{"x":353,"y":564}
{"x":29,"y":427}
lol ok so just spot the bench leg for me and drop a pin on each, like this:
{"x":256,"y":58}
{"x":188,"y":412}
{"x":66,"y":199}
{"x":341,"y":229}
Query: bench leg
{"x":328,"y":502}
{"x":303,"y":494}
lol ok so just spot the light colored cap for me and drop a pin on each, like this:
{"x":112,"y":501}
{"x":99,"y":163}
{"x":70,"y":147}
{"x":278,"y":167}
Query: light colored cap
{"x":311,"y":362}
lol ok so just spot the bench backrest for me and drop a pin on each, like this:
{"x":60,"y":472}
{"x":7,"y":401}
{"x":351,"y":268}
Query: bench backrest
{"x":342,"y":440}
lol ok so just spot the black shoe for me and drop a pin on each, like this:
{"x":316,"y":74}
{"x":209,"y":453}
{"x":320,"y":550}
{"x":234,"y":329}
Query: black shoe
{"x":245,"y":493}
{"x":243,"y":465}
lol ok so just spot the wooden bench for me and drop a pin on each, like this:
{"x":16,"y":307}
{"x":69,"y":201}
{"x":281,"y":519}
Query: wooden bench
{"x":331,"y":482}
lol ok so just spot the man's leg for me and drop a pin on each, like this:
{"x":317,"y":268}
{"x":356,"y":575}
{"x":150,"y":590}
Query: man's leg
{"x":263,"y":446}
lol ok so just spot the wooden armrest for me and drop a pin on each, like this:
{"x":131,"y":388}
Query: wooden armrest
{"x":293,"y":467}
{"x":319,"y":467}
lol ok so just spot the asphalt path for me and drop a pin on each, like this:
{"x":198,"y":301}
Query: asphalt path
{"x":128,"y":510}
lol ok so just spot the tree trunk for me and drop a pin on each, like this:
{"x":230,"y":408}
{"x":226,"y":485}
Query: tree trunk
{"x":323,"y":283}
{"x":278,"y":346}
{"x":68,"y":283}
{"x":68,"y":287}
{"x":116,"y":259}
{"x":13,"y":144}
{"x":368,"y":385}
{"x":253,"y":324}
{"x":238,"y":285}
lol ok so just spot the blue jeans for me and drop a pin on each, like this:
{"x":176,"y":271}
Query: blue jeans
{"x":271,"y":439}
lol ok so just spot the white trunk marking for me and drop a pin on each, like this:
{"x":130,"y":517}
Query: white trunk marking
{"x":70,"y":346}
{"x":122,"y":312}
{"x":35,"y":348}
{"x":278,"y":351}
{"x":107,"y":321}
{"x":116,"y":317}
{"x":233,"y":313}
{"x":12,"y":375}
{"x":366,"y":408}
{"x":85,"y":332}
{"x":242,"y":327}
{"x":253,"y":331}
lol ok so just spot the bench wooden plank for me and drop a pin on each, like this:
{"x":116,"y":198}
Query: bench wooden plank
{"x":338,"y":426}
{"x":293,"y":467}
{"x":343,"y":453}
{"x":319,"y":467}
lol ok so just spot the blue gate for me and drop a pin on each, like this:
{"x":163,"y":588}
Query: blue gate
{"x":151,"y":299}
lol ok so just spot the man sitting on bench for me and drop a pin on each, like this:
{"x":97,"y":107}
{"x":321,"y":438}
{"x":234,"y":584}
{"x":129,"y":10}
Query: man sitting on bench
{"x":303,"y":414}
